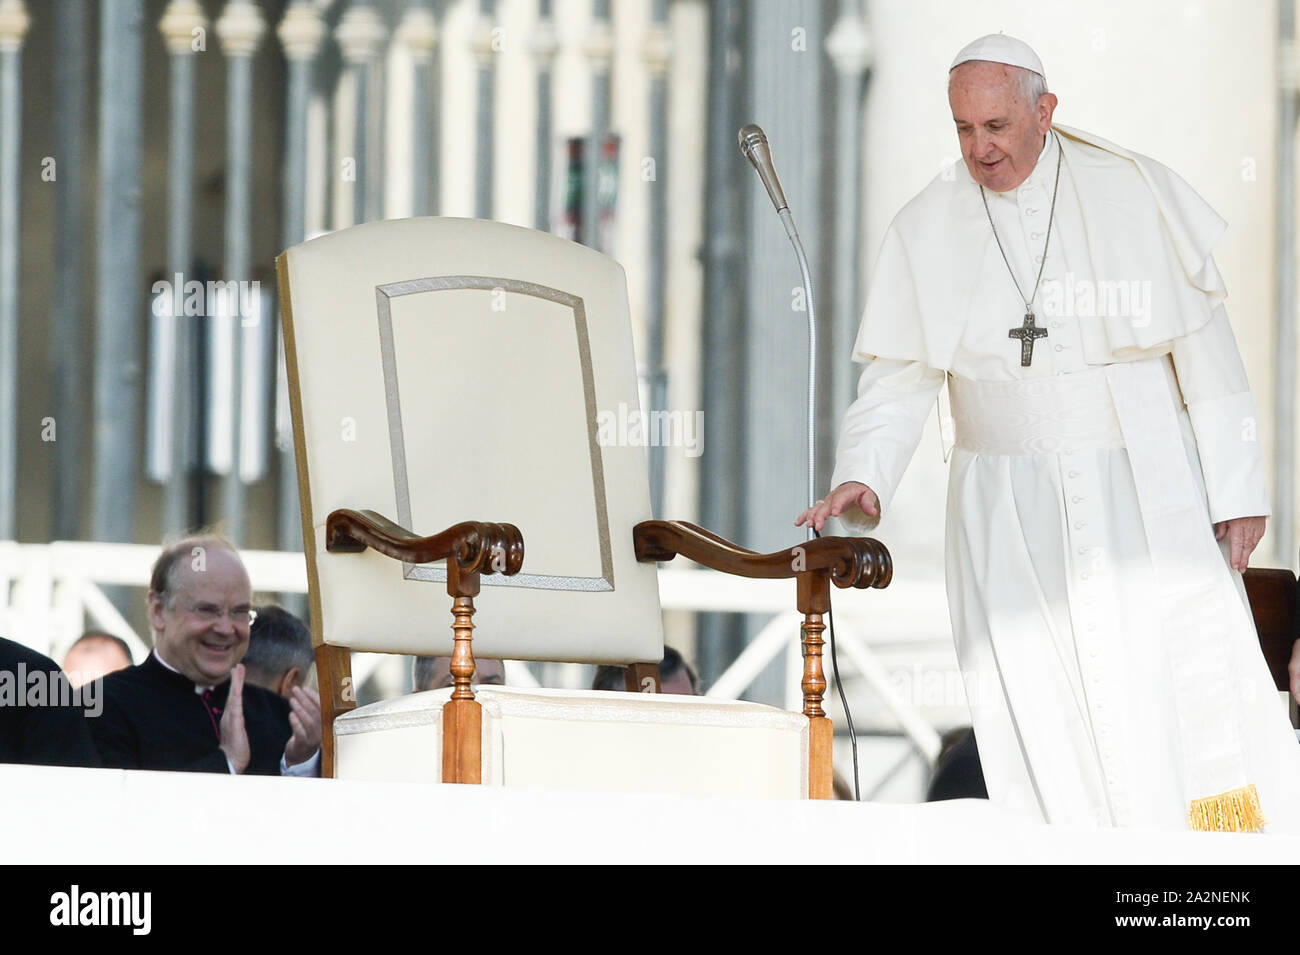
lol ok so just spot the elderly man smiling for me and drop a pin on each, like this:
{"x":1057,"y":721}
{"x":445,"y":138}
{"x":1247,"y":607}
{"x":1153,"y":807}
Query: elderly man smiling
{"x":1106,"y":486}
{"x":187,"y":706}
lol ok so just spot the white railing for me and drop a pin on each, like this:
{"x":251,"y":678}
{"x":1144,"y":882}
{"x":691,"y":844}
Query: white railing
{"x":50,"y":593}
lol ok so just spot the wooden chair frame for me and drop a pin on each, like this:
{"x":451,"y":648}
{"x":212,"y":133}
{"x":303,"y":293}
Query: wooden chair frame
{"x":470,"y":549}
{"x":475,"y":548}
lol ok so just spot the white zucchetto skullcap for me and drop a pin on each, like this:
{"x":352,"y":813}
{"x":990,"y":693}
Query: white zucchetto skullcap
{"x":1000,"y":48}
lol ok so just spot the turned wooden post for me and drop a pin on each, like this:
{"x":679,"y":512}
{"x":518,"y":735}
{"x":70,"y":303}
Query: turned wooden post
{"x":814,"y":600}
{"x":462,"y":715}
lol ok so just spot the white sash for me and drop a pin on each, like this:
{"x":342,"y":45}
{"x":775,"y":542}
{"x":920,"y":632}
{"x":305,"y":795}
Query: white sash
{"x":1200,"y":604}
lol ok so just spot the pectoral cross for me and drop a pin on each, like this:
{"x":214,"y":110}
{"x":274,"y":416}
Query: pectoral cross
{"x":1028,"y":333}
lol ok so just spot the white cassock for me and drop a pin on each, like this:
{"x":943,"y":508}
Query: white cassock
{"x":1112,"y":669}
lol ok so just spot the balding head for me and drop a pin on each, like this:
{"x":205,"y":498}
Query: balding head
{"x":199,"y":608}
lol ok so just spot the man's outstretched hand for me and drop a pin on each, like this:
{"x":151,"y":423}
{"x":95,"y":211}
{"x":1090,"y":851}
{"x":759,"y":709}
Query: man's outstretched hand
{"x":1243,"y":535}
{"x":847,"y":495}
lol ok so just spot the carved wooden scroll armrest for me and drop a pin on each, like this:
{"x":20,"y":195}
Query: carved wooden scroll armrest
{"x":848,"y":561}
{"x":474,"y":547}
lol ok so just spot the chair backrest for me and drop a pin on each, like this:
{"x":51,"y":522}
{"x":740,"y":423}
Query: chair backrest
{"x":444,"y":370}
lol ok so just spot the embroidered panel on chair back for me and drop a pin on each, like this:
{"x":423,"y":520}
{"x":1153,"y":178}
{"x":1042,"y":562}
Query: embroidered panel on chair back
{"x":444,"y":370}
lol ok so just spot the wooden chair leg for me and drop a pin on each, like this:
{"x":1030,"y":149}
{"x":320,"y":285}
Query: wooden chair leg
{"x":814,"y":599}
{"x":462,"y":741}
{"x":821,"y":732}
{"x":462,"y":715}
{"x":337,"y":696}
{"x":642,"y":678}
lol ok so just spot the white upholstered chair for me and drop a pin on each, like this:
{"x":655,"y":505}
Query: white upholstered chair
{"x":448,"y":376}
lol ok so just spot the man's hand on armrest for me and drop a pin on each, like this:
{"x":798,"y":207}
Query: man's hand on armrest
{"x":1243,"y":535}
{"x":849,"y":494}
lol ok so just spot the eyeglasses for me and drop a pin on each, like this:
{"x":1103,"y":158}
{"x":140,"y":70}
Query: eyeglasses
{"x":211,"y":613}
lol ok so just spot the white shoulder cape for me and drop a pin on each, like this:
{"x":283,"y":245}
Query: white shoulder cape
{"x":1141,"y":221}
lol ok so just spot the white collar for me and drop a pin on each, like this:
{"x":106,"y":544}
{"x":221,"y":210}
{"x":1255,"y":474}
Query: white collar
{"x":197,"y":687}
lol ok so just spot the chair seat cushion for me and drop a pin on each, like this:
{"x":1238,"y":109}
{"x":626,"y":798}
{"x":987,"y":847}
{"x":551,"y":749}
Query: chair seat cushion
{"x":591,"y":740}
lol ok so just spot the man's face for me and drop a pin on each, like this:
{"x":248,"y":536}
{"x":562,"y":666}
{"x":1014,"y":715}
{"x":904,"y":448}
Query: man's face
{"x":1001,"y":134}
{"x":92,"y":658}
{"x":202,"y":629}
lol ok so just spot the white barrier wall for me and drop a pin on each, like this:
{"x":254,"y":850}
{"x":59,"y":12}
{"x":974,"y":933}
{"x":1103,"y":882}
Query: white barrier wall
{"x":245,"y":820}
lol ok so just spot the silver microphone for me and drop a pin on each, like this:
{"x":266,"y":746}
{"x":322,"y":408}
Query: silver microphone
{"x":753,"y":143}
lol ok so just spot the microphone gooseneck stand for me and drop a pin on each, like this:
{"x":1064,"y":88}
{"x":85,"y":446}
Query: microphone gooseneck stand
{"x":753,"y":144}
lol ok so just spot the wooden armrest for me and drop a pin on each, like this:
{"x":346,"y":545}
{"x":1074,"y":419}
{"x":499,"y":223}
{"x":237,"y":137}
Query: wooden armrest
{"x":850,"y":561}
{"x":477,"y":547}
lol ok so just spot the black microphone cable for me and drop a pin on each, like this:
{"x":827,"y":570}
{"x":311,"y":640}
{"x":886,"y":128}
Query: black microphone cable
{"x":839,"y":686}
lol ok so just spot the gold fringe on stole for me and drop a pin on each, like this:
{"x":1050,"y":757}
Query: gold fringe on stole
{"x":1234,"y":811}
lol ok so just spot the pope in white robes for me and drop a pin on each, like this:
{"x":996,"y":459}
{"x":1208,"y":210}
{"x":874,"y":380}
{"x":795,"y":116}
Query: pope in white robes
{"x":1106,"y":486}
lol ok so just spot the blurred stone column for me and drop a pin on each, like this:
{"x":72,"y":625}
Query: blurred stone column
{"x":300,"y":32}
{"x":13,"y":28}
{"x":600,"y":55}
{"x":485,"y":43}
{"x":719,"y":637}
{"x":657,"y":56}
{"x":544,"y":47}
{"x":70,"y":297}
{"x":240,"y":30}
{"x":418,"y":32}
{"x":173,"y":335}
{"x":360,"y":35}
{"x":849,"y":48}
{"x":117,"y":266}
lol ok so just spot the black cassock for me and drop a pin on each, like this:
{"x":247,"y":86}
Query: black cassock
{"x":49,"y":729}
{"x":154,"y":719}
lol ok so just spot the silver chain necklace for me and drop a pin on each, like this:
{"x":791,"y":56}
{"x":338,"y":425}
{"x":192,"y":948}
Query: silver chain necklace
{"x":1028,"y":333}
